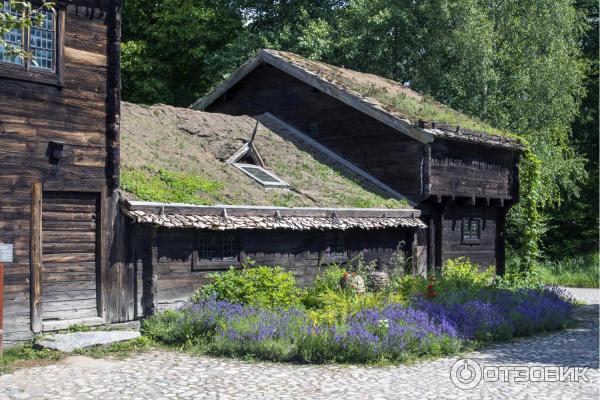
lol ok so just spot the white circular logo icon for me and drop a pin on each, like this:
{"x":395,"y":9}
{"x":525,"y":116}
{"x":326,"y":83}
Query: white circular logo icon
{"x":465,"y":374}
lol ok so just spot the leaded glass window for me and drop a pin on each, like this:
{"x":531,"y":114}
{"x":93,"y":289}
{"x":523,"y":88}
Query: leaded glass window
{"x":217,"y":246}
{"x":42,"y":43}
{"x":38,"y":41}
{"x":13,"y":38}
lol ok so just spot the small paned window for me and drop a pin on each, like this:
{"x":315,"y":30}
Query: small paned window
{"x":261,"y":175}
{"x":39,"y":41}
{"x":471,"y":230}
{"x":217,"y":246}
{"x":14,"y":38}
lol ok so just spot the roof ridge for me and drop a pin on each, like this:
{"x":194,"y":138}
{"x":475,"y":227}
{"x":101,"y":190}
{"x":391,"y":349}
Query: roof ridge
{"x":300,"y":68}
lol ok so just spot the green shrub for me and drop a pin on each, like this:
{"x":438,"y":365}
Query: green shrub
{"x":462,"y":274}
{"x":326,"y":281}
{"x":269,"y":287}
{"x":165,"y":327}
{"x":408,"y":286}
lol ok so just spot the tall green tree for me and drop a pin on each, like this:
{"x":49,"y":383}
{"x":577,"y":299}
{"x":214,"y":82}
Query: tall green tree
{"x":517,"y":65}
{"x":573,"y":228}
{"x":165,"y":45}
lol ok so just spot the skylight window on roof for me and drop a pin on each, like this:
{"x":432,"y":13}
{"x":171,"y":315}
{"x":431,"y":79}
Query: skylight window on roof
{"x":261,"y":175}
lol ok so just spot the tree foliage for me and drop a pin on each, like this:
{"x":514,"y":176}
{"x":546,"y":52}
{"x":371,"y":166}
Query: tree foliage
{"x":520,"y":66}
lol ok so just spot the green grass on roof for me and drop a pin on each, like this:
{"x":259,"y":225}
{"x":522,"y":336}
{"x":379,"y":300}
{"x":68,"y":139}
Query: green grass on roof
{"x":393,"y":96}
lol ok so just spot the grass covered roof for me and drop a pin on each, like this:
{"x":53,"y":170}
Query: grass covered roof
{"x":180,"y":155}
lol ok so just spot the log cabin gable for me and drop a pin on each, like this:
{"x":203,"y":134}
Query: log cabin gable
{"x":361,"y":139}
{"x":420,"y":160}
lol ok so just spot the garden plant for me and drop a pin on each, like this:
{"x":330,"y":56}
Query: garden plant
{"x":259,"y":313}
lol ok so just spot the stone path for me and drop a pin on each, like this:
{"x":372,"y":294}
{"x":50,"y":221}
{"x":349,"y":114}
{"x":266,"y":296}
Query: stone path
{"x":171,"y":375}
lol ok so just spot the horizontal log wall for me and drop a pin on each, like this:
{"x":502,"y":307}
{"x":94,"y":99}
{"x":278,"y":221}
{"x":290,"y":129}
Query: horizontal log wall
{"x":163,"y":258}
{"x":483,"y":253}
{"x":459,"y":169}
{"x":383,"y":152}
{"x":32,"y":114}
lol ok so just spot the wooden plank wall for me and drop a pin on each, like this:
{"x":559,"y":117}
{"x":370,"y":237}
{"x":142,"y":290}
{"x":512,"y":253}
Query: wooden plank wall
{"x":69,"y":256}
{"x":165,"y":276}
{"x":459,"y":169}
{"x":385,"y":153}
{"x":31,"y":114}
{"x":452,"y":247}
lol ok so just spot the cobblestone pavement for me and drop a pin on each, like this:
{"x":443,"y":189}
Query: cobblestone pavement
{"x":171,"y":375}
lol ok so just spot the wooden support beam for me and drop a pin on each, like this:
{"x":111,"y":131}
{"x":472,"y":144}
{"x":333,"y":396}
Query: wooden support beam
{"x":431,"y":242}
{"x":36,"y":258}
{"x":150,"y":272}
{"x":413,"y":247}
{"x":500,"y":242}
{"x":426,"y":174}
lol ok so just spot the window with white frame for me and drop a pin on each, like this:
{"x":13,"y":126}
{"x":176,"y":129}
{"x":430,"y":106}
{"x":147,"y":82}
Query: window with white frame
{"x":39,"y":41}
{"x":248,"y":160}
{"x":261,"y":175}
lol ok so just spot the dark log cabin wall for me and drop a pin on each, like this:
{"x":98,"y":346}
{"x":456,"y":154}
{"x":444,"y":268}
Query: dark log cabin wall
{"x":382,"y":151}
{"x":168,"y":273}
{"x":469,"y":181}
{"x":37,"y":193}
{"x":461,"y":169}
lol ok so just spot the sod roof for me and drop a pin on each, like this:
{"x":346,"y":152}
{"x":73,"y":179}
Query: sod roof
{"x":413,"y":111}
{"x":180,"y":155}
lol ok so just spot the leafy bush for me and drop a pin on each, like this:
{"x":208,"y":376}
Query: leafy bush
{"x":408,"y":286}
{"x":394,"y":333}
{"x":258,"y":286}
{"x":373,"y":334}
{"x":462,"y":274}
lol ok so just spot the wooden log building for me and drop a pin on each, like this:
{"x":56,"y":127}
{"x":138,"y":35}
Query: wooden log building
{"x":296,"y":168}
{"x":278,"y":198}
{"x":464,"y":179}
{"x":59,"y":168}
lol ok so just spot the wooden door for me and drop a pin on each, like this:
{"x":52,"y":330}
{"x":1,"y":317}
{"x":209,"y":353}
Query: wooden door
{"x":70,"y":268}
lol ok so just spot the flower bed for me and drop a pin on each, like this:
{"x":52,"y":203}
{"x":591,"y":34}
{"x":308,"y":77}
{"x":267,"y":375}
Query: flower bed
{"x":260,"y":313}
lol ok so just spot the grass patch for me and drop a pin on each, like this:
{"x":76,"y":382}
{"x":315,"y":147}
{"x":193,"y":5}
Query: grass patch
{"x":169,"y":187}
{"x":24,"y":355}
{"x":397,"y":98}
{"x":28,"y":354}
{"x":427,"y":109}
{"x":121,"y":349}
{"x":579,"y":271}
